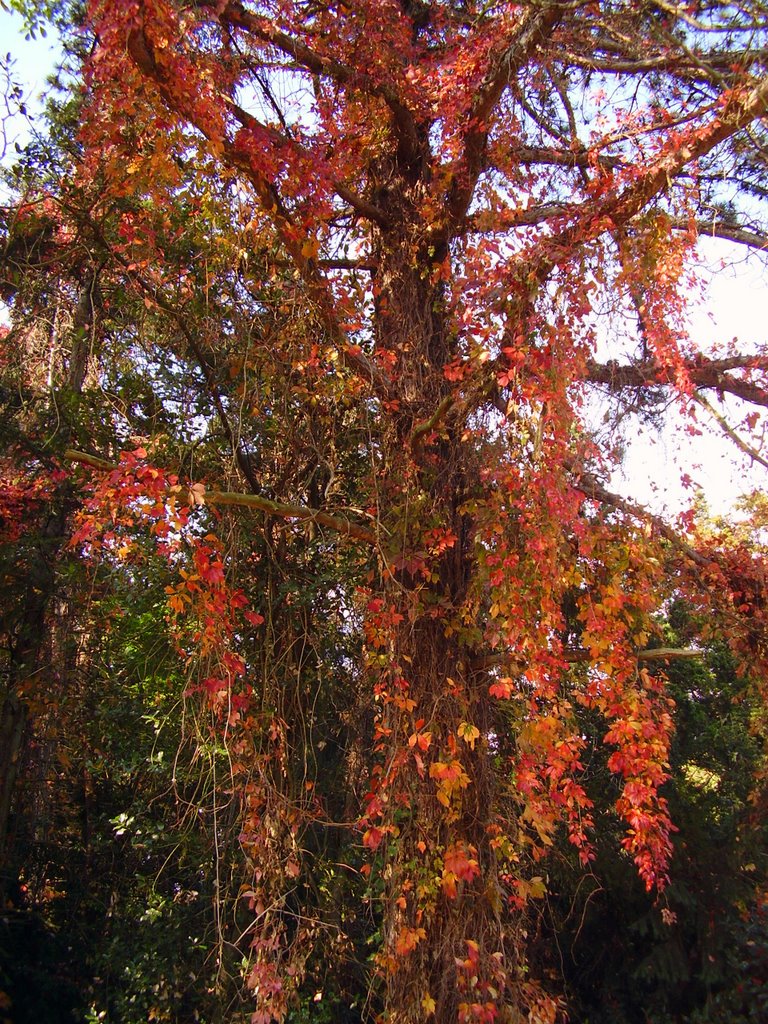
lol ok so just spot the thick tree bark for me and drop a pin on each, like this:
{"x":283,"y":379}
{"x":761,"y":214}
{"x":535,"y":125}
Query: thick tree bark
{"x":432,"y":925}
{"x":26,"y":665}
{"x":12,"y":725}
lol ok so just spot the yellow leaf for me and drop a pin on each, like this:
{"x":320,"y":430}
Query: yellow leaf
{"x":469,"y":733}
{"x":428,"y":1004}
{"x":309,"y":249}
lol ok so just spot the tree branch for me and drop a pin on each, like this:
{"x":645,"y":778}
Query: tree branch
{"x":715,"y":228}
{"x":695,"y":65}
{"x":498,"y":221}
{"x":739,"y":108}
{"x":576,"y":655}
{"x":703,"y":373}
{"x":293,"y":238}
{"x":152,"y":291}
{"x":533,"y":27}
{"x":592,"y":489}
{"x":565,"y":158}
{"x":359,"y":205}
{"x":337,"y":263}
{"x":235,"y":15}
{"x":277,"y":509}
{"x":579,"y":655}
{"x":426,"y":426}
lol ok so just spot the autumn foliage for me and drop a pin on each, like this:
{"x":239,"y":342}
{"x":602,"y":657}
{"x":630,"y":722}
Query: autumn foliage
{"x":356,"y":297}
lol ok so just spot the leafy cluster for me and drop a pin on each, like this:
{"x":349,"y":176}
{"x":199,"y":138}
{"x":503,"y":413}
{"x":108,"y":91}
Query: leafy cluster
{"x":337,"y":682}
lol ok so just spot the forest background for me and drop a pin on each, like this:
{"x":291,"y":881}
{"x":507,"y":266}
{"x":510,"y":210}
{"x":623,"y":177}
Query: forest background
{"x":340,"y":681}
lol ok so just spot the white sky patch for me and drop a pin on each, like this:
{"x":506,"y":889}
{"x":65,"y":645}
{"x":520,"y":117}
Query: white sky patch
{"x":734,"y":306}
{"x":31,"y":62}
{"x":25,"y":62}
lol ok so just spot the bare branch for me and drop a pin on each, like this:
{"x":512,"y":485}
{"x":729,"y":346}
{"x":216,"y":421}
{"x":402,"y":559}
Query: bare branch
{"x":490,"y":221}
{"x":669,"y":654}
{"x":336,"y":263}
{"x":359,"y":205}
{"x":565,"y":158}
{"x":576,"y":655}
{"x":593,"y":489}
{"x":715,"y":228}
{"x":695,"y":65}
{"x":728,"y":430}
{"x":579,"y":655}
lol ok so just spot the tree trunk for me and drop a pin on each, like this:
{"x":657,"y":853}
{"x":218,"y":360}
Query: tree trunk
{"x":445,"y":946}
{"x":26,"y":662}
{"x":27,"y":628}
{"x":12,"y":725}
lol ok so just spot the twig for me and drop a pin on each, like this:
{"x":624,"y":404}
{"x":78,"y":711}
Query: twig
{"x":728,"y":430}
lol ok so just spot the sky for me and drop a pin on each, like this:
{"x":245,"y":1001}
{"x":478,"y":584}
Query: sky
{"x":29,"y":61}
{"x":735,"y":292}
{"x":33,"y":59}
{"x":735,"y":305}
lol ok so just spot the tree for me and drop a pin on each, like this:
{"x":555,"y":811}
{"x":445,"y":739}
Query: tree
{"x":397,"y":224}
